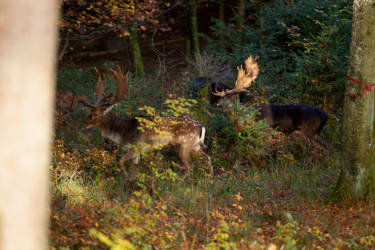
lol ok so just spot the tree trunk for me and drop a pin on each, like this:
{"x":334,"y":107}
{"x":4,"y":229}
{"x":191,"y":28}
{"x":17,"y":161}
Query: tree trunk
{"x":222,"y":11}
{"x":28,"y":31}
{"x":194,"y":26}
{"x":357,"y":178}
{"x":135,"y":52}
{"x":194,"y":33}
{"x":241,"y":4}
{"x":188,"y":47}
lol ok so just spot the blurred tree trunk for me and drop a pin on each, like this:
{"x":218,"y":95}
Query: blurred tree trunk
{"x":188,"y":46}
{"x":136,"y":55}
{"x":28,"y":31}
{"x":241,"y":4}
{"x":357,"y":178}
{"x":222,"y":11}
{"x":194,"y":26}
{"x":194,"y":33}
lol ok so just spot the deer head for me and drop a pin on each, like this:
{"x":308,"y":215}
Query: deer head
{"x":102,"y":105}
{"x":244,"y":78}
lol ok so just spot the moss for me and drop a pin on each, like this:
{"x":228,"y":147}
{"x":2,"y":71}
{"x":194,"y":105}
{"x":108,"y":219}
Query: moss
{"x":136,"y":54}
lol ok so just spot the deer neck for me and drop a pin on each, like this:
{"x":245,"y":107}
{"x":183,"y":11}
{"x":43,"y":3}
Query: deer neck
{"x":113,"y":128}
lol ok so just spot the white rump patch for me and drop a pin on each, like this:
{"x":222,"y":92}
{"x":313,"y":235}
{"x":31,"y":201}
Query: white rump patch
{"x":200,"y":140}
{"x":136,"y":159}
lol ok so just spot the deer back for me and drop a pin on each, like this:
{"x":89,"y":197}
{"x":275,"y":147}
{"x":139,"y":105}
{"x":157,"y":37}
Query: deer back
{"x":153,"y":131}
{"x":288,"y":118}
{"x":176,"y":131}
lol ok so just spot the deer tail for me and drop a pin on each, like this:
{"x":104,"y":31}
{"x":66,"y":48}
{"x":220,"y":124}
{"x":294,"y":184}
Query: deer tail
{"x":201,"y":138}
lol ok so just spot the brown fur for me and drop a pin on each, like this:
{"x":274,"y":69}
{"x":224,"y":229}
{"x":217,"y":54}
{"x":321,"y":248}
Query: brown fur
{"x":288,"y":118}
{"x":183,"y":133}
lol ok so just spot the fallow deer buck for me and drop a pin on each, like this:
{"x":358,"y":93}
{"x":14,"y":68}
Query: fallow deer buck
{"x":286,"y":118}
{"x":244,"y":80}
{"x":201,"y":82}
{"x":141,"y":134}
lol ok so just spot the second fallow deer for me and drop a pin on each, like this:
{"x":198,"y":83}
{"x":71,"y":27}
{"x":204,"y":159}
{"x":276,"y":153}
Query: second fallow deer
{"x":244,"y":79}
{"x":141,"y":134}
{"x":289,"y":118}
{"x":286,"y":118}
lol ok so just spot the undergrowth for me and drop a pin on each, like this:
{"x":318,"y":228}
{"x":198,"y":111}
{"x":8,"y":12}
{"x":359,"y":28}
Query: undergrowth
{"x":268,"y":189}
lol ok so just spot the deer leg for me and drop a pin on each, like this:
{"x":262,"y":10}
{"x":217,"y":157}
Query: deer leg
{"x":320,"y":141}
{"x":184,"y":154}
{"x":209,"y":162}
{"x":134,"y":155}
{"x":130,"y":154}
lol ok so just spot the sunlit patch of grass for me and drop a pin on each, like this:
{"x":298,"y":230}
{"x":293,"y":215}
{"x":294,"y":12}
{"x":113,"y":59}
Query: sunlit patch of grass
{"x":77,"y":190}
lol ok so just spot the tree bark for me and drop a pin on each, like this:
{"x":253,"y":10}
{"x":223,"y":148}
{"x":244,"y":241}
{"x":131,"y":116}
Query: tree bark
{"x":194,"y":26}
{"x":357,"y":178}
{"x":241,"y":4}
{"x":28,"y":31}
{"x":194,"y":34}
{"x":222,"y":11}
{"x":135,"y":52}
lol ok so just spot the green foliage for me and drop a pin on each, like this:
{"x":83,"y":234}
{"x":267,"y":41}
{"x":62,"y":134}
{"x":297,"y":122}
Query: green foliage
{"x":75,"y":80}
{"x":221,"y":238}
{"x":236,"y":136}
{"x":179,"y":106}
{"x":287,"y":233}
{"x":303,"y":48}
{"x":115,"y":244}
{"x":322,"y":64}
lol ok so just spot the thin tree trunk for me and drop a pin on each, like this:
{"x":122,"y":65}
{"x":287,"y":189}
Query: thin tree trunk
{"x":358,"y":167}
{"x":188,"y":47}
{"x":194,"y":34}
{"x":28,"y":31}
{"x":222,"y":11}
{"x":194,"y":26}
{"x":135,"y":51}
{"x":241,"y":4}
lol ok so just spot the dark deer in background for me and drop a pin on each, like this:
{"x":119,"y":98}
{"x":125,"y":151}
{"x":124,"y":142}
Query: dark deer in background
{"x":141,"y":134}
{"x":218,"y":91}
{"x":202,"y":82}
{"x":289,"y":118}
{"x":286,"y":118}
{"x":244,"y":80}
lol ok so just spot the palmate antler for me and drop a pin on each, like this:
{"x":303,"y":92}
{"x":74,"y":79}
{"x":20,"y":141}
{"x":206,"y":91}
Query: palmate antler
{"x":244,"y":79}
{"x":121,"y":90}
{"x":100,"y":88}
{"x":121,"y":84}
